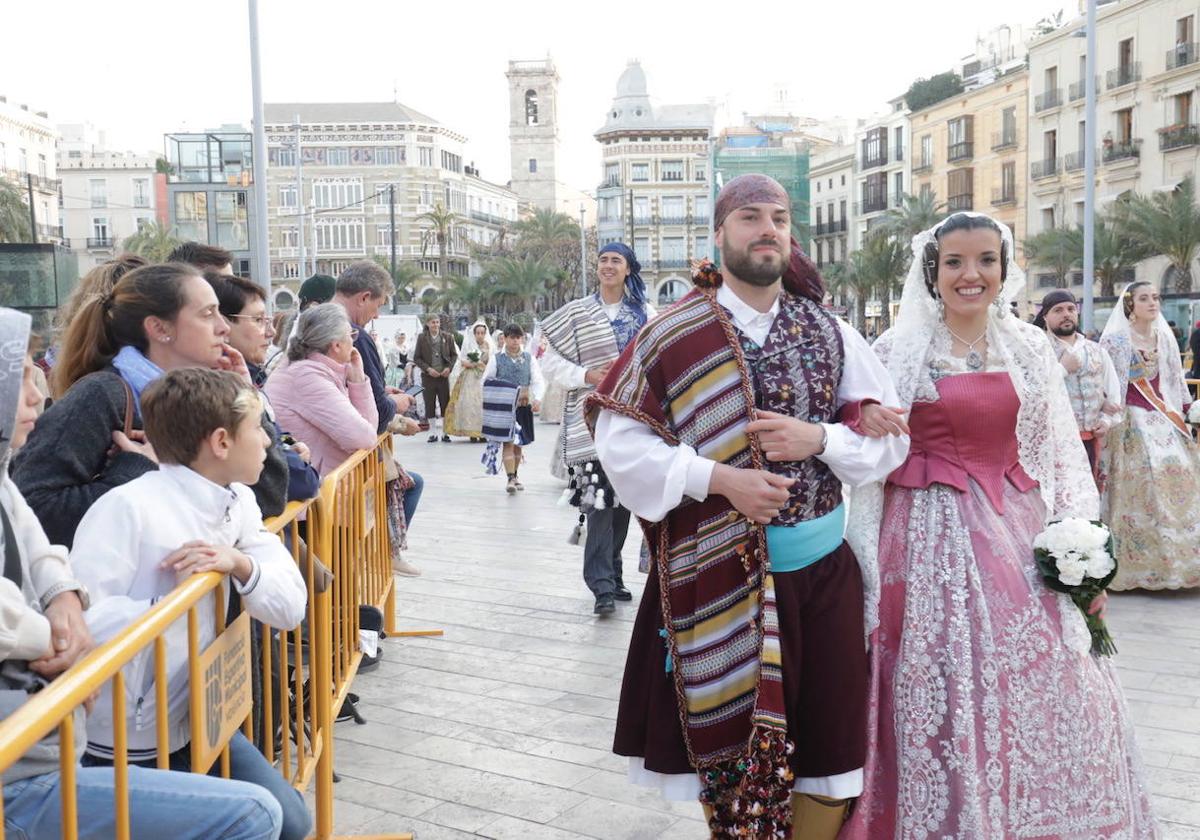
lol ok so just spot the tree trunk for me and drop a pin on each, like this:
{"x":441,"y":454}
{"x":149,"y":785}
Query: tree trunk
{"x":1108,"y":282}
{"x":885,"y":305}
{"x":1183,"y":280}
{"x":860,"y":307}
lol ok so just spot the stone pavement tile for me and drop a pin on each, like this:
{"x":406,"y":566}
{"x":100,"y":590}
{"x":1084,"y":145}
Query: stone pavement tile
{"x":511,"y":828}
{"x":598,"y":706}
{"x":1141,"y":695}
{"x":583,"y":730}
{"x":350,"y":817}
{"x":526,"y":694}
{"x":1154,"y":758}
{"x":379,"y":797}
{"x":1180,"y":784}
{"x":1170,"y":809}
{"x":1173,"y":684}
{"x":1164,"y":740}
{"x":1166,"y":717}
{"x":391,"y":824}
{"x":1185,"y":762}
{"x":686,"y":830}
{"x":615,"y":787}
{"x":515,"y":741}
{"x":460,"y":707}
{"x":461,"y":817}
{"x":502,"y":762}
{"x":462,"y":785}
{"x":588,"y":757}
{"x":1178,"y":831}
{"x":613,"y":821}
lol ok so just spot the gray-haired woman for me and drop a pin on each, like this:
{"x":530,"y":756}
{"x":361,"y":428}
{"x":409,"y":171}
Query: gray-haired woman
{"x":322,"y":394}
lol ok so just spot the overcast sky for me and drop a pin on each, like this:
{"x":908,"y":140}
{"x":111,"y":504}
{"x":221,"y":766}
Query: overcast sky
{"x":141,"y":68}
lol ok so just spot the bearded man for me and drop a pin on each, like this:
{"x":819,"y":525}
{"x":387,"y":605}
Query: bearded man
{"x":728,"y":426}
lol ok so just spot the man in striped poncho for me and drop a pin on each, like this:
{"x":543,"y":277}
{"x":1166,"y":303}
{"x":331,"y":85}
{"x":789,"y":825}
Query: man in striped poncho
{"x":585,"y":337}
{"x":728,"y":426}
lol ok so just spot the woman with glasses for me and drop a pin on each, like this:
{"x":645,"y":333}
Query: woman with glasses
{"x":155,"y":319}
{"x":321,"y":394}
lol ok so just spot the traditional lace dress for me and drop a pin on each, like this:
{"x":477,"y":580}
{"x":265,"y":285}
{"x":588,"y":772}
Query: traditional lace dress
{"x":1152,"y":497}
{"x":464,"y":417}
{"x":989,"y":719}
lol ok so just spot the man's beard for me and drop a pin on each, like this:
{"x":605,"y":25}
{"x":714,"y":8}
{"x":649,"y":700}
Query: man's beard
{"x":741,"y":264}
{"x":1064,"y":330}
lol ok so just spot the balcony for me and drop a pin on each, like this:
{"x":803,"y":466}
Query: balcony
{"x":1004,"y":140}
{"x":960,"y":203}
{"x":838,"y":226}
{"x":673,"y":220}
{"x":672,"y":263}
{"x":1130,"y":149}
{"x":488,"y":218}
{"x":1182,"y":55}
{"x":1178,"y":137}
{"x":1074,"y":162}
{"x":1122,"y":76}
{"x":610,"y":182}
{"x":1044,"y":168}
{"x":920,"y":167}
{"x":1004,"y":196}
{"x":1046,"y":101}
{"x":700,"y":219}
{"x":960,"y":151}
{"x":286,"y":252}
{"x":871,"y":204}
{"x":870,"y":162}
{"x":99,"y":242}
{"x":49,"y":231}
{"x":1078,"y":90}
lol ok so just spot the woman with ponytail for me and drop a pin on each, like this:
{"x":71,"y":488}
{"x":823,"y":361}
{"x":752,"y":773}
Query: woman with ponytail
{"x":156,"y":318}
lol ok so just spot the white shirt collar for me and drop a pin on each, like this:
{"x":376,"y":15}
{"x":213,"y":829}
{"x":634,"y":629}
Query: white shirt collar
{"x":209,"y":497}
{"x":746,"y":318}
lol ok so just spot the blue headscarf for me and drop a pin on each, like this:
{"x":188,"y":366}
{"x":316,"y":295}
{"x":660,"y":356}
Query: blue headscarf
{"x":635,"y":286}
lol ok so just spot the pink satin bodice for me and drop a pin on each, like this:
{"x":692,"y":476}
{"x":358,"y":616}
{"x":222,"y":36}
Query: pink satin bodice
{"x":970,"y":432}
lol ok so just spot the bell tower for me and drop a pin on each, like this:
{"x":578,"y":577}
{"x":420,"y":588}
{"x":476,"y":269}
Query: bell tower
{"x":533,"y":132}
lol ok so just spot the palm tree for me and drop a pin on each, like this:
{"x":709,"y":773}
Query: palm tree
{"x":1114,"y":253}
{"x":852,"y":278}
{"x":441,"y":228}
{"x":14,"y":214}
{"x":461,"y":293}
{"x":1055,"y":249}
{"x":883,"y":262}
{"x":154,"y":241}
{"x":545,"y":231}
{"x":522,"y":279}
{"x":405,"y":279}
{"x":915,"y":214}
{"x":1166,"y":223}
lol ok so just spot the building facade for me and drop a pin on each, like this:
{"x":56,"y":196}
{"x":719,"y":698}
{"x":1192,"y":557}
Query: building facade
{"x":106,"y":195}
{"x":1147,"y":75}
{"x":27,"y":161}
{"x":655,"y":192}
{"x":210,"y":191}
{"x":881,"y":174}
{"x":831,"y":188}
{"x":970,"y":152}
{"x":533,"y":134}
{"x":361,"y":165}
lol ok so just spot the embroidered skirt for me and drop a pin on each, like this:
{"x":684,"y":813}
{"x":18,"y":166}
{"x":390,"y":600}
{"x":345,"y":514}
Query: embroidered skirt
{"x":825,"y":679}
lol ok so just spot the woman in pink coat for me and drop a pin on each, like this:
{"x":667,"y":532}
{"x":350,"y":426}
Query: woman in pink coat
{"x":322,"y":395}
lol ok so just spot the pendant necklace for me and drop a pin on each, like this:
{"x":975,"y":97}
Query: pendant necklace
{"x":974,"y":358}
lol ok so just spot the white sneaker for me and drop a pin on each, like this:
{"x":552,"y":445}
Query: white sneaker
{"x":401,"y":566}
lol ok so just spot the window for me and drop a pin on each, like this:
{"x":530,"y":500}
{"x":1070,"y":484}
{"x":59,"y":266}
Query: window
{"x":291,"y":271}
{"x":874,"y":147}
{"x":42,"y":166}
{"x":818,"y":186}
{"x":389,"y":156}
{"x":1051,"y":77}
{"x":1048,"y":218}
{"x":1050,"y":146}
{"x":100,"y":230}
{"x":639,"y":172}
{"x":818,"y":217}
{"x":926,"y":150}
{"x":1184,"y":30}
{"x":533,"y":164}
{"x":531,"y":107}
{"x":843,"y":181}
{"x":337,"y":157}
{"x":425,"y":155}
{"x":672,"y":209}
{"x":898,"y":142}
{"x":143,"y":222}
{"x":874,"y":192}
{"x":702,"y":248}
{"x":674,"y":251}
{"x":701,"y":215}
{"x":898,"y":189}
{"x":191,"y":216}
{"x":3,"y":158}
{"x":1182,"y":104}
{"x":233,"y":231}
{"x":98,"y":191}
{"x":926,"y":191}
{"x":701,"y":171}
{"x":1125,"y":126}
{"x":1008,"y":181}
{"x":1008,"y":122}
{"x":641,"y":210}
{"x":641,"y":248}
{"x":287,"y":195}
{"x":282,"y":156}
{"x":842,"y":213}
{"x":383,"y":236}
{"x":1125,"y":55}
{"x":672,"y":170}
{"x":612,"y":174}
{"x":141,"y":192}
{"x":336,"y":194}
{"x":339,"y":235}
{"x":961,"y":136}
{"x":22,"y":161}
{"x":453,"y":162}
{"x":960,"y":185}
{"x":289,"y":237}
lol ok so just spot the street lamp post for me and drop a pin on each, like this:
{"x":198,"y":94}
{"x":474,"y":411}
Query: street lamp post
{"x":1089,"y":172}
{"x":262,"y":262}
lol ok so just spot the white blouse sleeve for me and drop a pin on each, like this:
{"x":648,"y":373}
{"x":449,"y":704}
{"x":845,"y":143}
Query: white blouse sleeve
{"x":651,"y":476}
{"x":856,"y":459}
{"x":558,"y":369}
{"x":537,"y":382}
{"x":1112,"y":382}
{"x":489,"y":372}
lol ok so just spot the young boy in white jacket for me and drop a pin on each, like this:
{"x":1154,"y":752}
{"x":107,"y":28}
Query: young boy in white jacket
{"x":195,"y":514}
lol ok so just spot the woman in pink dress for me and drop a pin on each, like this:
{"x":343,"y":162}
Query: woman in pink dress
{"x":989,"y":716}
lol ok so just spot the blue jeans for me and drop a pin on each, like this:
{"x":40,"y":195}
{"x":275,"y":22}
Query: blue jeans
{"x":412,"y":497}
{"x":247,"y":764}
{"x":162,"y":803}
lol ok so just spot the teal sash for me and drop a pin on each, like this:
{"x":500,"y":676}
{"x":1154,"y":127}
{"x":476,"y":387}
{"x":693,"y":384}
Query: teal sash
{"x":791,"y":548}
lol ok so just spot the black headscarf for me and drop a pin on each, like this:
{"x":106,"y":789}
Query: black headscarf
{"x":1050,"y":301}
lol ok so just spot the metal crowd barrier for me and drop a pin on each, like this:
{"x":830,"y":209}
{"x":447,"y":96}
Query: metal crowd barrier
{"x":297,"y":677}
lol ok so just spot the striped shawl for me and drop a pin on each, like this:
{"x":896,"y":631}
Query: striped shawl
{"x":580,"y":332}
{"x":685,"y":376}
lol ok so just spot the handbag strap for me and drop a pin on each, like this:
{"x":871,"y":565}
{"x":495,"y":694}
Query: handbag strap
{"x":128,"y":407}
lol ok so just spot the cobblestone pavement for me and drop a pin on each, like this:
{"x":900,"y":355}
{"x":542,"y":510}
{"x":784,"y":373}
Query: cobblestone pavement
{"x":503,"y":727}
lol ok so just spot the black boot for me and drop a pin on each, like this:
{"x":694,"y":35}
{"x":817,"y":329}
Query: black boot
{"x":621,"y":593}
{"x":604,"y":605}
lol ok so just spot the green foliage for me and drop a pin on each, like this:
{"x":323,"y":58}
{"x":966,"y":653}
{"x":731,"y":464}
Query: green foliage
{"x":925,"y":92}
{"x":14,"y":214}
{"x":153,"y":241}
{"x":1055,"y":249}
{"x":1167,"y":224}
{"x":407,"y":276}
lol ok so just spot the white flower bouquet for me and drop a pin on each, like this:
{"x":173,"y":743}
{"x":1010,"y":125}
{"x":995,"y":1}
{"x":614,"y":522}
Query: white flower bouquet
{"x":1076,"y":556}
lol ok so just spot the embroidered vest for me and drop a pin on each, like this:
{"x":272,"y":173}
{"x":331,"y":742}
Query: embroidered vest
{"x":1085,"y":386}
{"x":797,"y":373}
{"x":513,"y":371}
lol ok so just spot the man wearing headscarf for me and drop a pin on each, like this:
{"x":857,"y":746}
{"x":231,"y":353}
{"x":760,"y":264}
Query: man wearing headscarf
{"x":746,"y":680}
{"x":584,"y":338}
{"x":1091,"y":379}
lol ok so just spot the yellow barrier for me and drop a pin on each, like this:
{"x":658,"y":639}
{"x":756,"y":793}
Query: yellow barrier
{"x":346,"y":528}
